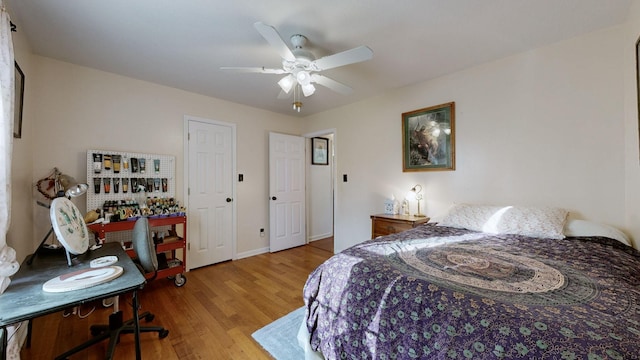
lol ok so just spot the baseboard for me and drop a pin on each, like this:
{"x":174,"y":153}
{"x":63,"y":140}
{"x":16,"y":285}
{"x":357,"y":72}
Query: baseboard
{"x":320,"y":237}
{"x":255,"y":252}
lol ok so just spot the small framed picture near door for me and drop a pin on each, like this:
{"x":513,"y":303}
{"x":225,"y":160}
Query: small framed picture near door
{"x":17,"y":107}
{"x":319,"y":151}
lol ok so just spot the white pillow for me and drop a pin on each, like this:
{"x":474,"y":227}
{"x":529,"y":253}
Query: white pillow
{"x":576,"y":227}
{"x":529,"y":221}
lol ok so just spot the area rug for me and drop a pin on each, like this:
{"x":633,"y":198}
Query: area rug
{"x":279,"y":337}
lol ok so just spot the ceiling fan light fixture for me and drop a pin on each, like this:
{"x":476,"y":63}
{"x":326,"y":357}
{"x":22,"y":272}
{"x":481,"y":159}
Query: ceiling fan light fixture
{"x":301,"y":67}
{"x":303,"y":78}
{"x":287,"y":83}
{"x":308,"y":89}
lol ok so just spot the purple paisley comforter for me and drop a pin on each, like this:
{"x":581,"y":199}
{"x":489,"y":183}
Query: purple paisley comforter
{"x":443,"y":293}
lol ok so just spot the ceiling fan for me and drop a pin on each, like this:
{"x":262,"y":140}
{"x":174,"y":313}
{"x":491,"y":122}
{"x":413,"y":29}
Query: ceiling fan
{"x":302,"y":67}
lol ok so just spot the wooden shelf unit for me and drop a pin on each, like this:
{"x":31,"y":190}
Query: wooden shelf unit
{"x":167,"y":247}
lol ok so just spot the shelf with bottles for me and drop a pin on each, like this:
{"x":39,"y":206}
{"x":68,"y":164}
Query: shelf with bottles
{"x":131,"y":209}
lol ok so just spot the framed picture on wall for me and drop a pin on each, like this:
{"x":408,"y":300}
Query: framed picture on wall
{"x":319,"y":151}
{"x":17,"y":107}
{"x":638,"y":81}
{"x":428,"y":138}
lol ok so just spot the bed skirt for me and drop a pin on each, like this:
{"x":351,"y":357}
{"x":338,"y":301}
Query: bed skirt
{"x":304,"y":342}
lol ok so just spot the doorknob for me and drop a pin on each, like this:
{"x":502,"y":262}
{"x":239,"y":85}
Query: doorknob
{"x":229,"y":200}
{"x":274,"y":198}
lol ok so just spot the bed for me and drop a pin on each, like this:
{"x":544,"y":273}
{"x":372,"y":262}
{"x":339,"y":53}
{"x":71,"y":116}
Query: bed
{"x":486,"y":283}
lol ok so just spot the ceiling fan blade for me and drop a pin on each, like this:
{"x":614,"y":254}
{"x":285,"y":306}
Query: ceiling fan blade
{"x":274,"y":39}
{"x":361,"y":53}
{"x":331,"y":84}
{"x":261,"y":70}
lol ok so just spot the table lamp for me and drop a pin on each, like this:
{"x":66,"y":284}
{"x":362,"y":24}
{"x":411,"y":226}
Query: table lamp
{"x":416,"y":192}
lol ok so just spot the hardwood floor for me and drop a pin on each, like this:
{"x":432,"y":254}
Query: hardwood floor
{"x":325,"y":244}
{"x":211,"y":317}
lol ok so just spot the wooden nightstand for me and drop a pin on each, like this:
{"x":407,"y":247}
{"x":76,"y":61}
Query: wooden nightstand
{"x":382,"y":224}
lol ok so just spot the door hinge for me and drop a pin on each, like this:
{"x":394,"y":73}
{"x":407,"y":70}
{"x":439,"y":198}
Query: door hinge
{"x":188,"y":191}
{"x":188,"y":136}
{"x":188,"y":246}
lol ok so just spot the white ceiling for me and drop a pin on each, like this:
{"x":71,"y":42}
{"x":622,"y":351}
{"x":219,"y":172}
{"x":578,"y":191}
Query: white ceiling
{"x":183,"y":44}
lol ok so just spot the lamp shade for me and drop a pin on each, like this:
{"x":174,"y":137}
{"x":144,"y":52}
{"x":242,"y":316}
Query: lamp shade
{"x":286,"y":83}
{"x":308,"y":89}
{"x":76,"y":190}
{"x":70,"y":186}
{"x":303,"y":78}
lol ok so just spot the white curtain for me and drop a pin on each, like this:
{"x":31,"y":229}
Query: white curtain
{"x":8,"y":263}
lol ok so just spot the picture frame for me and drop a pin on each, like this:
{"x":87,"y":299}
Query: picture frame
{"x":428,"y":139}
{"x":638,"y":81}
{"x":319,"y":151}
{"x":18,"y":102}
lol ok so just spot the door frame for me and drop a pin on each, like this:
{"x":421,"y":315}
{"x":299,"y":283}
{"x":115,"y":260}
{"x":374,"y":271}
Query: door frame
{"x":185,"y":173}
{"x":334,"y":168}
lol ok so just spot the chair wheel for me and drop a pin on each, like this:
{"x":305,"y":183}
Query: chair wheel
{"x":180,"y":280}
{"x":163,"y":334}
{"x":149,"y":317}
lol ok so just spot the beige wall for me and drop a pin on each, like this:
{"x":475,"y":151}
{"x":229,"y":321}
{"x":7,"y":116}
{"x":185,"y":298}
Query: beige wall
{"x":78,"y":108}
{"x":539,"y":128}
{"x":632,"y":156}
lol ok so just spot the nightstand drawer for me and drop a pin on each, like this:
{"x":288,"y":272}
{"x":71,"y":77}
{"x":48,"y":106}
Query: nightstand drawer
{"x":390,"y":224}
{"x":386,"y":227}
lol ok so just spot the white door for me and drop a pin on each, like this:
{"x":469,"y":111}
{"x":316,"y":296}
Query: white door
{"x":286,"y":191}
{"x":210,"y":192}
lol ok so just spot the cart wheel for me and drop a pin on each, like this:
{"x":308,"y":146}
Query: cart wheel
{"x":163,"y":334}
{"x":180,"y":280}
{"x":149,"y":317}
{"x":171,"y":277}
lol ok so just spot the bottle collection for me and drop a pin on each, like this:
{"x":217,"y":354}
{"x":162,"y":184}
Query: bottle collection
{"x":117,"y":185}
{"x":129,"y":209}
{"x":128,"y":185}
{"x":119,"y":164}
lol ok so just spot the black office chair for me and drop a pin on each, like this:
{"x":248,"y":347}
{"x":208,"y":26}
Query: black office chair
{"x":148,"y":264}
